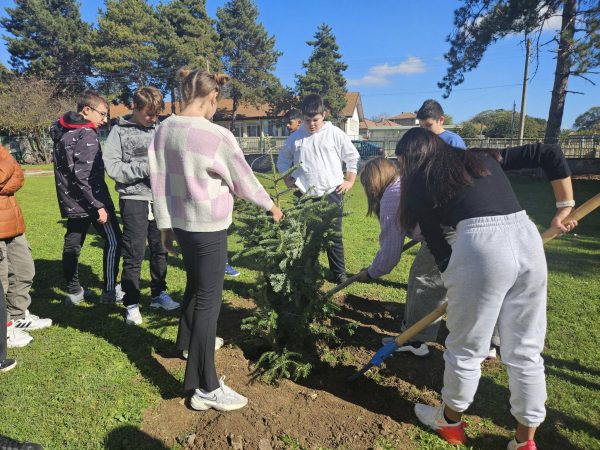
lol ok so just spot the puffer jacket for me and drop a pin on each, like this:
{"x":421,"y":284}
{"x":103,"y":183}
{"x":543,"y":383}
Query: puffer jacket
{"x":11,"y":180}
{"x":125,"y":156}
{"x":78,"y":167}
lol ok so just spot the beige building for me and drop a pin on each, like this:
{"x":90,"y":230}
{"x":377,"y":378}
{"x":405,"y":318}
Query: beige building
{"x":256,"y":122}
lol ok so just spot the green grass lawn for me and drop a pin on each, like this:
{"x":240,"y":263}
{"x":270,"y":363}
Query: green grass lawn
{"x":88,"y":377}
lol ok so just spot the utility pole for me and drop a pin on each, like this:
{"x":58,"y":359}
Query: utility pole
{"x":512,"y":123}
{"x":524,"y":94}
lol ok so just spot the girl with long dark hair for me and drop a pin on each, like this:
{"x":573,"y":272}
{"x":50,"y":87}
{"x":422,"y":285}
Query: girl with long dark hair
{"x":495,"y":271}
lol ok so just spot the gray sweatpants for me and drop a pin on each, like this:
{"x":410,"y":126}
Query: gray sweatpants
{"x":425,"y":292}
{"x":497,"y":273}
{"x":16,"y":274}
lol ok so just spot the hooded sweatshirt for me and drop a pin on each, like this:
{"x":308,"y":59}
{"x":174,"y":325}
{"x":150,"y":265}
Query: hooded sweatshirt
{"x":320,"y":157}
{"x":125,"y":156}
{"x":78,"y":167}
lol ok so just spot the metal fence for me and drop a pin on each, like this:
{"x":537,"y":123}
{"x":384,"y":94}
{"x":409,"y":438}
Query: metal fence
{"x":578,"y":147}
{"x":573,"y":147}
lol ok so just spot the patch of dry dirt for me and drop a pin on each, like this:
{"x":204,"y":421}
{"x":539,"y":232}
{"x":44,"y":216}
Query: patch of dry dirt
{"x":324,"y":410}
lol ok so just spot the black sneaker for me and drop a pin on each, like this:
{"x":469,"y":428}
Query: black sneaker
{"x":10,"y":444}
{"x":7,"y":364}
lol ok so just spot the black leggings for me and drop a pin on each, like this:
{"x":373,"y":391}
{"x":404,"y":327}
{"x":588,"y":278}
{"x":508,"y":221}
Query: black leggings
{"x":204,"y":257}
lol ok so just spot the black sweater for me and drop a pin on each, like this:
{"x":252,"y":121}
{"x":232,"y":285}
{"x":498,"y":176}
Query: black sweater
{"x":491,"y":195}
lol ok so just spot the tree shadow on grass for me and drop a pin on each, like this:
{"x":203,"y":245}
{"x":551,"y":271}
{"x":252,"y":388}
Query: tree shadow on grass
{"x":136,"y":342}
{"x":574,"y":263}
{"x":557,"y":363}
{"x":129,"y":437}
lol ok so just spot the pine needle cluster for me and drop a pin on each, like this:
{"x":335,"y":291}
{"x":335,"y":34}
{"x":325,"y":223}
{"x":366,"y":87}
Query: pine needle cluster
{"x":292,"y":315}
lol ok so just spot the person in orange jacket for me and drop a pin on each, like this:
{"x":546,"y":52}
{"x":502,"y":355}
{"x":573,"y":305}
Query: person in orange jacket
{"x":16,"y":262}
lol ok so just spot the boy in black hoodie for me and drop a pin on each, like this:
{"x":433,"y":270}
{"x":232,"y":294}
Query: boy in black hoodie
{"x":83,"y":195}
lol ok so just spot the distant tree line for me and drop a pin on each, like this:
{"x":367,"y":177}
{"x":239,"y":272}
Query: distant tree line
{"x":500,"y":123}
{"x":134,"y":44}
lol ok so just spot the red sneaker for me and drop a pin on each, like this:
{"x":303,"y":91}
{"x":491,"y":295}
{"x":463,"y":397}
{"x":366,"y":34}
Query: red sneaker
{"x":514,"y":445}
{"x":433,"y":417}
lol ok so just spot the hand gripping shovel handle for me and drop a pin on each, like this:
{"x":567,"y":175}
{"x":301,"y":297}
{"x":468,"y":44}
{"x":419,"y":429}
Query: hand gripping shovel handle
{"x":353,"y":278}
{"x":390,"y":348}
{"x":576,"y":214}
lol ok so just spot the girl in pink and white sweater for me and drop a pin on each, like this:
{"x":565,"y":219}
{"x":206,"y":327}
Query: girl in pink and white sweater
{"x":196,"y":167}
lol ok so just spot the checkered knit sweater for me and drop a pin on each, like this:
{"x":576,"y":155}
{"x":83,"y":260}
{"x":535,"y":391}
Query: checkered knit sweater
{"x":195,"y":168}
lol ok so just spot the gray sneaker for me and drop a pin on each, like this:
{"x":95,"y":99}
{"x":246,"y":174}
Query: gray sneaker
{"x":222,"y":399}
{"x":75,"y":299}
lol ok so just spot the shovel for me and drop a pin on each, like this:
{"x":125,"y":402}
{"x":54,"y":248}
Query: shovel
{"x":353,"y":278}
{"x":389,"y":348}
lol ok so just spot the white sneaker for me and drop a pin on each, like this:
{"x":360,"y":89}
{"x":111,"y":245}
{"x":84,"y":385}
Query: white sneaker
{"x":133,"y":315}
{"x":219,"y":342}
{"x":119,"y":294}
{"x":433,"y":417}
{"x":164,"y":301}
{"x":492,"y":354}
{"x":32,"y":322}
{"x":222,"y":399}
{"x":16,"y":338}
{"x":416,"y":348}
{"x":514,"y":445}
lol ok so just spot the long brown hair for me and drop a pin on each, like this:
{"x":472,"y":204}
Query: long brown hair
{"x":375,"y":177}
{"x":446,"y":170}
{"x":199,"y":83}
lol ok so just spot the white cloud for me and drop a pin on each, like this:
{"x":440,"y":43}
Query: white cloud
{"x":553,"y":23}
{"x":379,"y":75}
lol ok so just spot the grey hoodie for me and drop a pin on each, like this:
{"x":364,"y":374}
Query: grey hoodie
{"x":125,"y":157}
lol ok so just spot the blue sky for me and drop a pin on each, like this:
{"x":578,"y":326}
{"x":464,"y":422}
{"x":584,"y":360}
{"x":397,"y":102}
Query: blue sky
{"x":394,"y":51}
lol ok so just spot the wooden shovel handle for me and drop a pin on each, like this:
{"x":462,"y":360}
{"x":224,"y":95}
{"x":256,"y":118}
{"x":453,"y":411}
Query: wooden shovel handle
{"x":547,"y":235}
{"x":576,"y":214}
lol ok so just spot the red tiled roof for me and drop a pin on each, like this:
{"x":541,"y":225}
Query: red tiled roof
{"x":404,"y":115}
{"x":366,"y":123}
{"x":245,"y":111}
{"x":123,"y":110}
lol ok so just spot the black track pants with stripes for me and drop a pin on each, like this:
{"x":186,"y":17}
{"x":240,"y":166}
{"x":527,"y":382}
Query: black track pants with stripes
{"x":77,"y":229}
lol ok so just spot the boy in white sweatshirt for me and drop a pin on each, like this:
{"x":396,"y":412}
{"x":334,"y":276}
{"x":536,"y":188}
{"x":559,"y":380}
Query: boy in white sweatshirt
{"x":321,"y":148}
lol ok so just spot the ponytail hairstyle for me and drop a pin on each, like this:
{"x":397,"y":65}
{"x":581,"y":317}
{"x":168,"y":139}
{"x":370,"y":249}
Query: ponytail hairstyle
{"x":199,"y":83}
{"x":375,"y":177}
{"x":446,"y":169}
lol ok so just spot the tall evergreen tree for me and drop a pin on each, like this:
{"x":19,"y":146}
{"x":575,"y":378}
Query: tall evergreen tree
{"x":249,"y":54}
{"x":480,"y":23}
{"x":49,"y":41}
{"x":324,"y":72}
{"x":125,"y":53}
{"x":187,"y":38}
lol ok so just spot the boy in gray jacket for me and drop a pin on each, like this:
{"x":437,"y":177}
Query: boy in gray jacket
{"x":126,"y":161}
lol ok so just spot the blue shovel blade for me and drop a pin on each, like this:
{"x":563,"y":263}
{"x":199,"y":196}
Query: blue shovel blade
{"x":385,"y":351}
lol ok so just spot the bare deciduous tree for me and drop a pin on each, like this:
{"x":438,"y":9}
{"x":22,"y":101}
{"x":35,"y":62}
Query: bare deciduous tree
{"x":27,"y":109}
